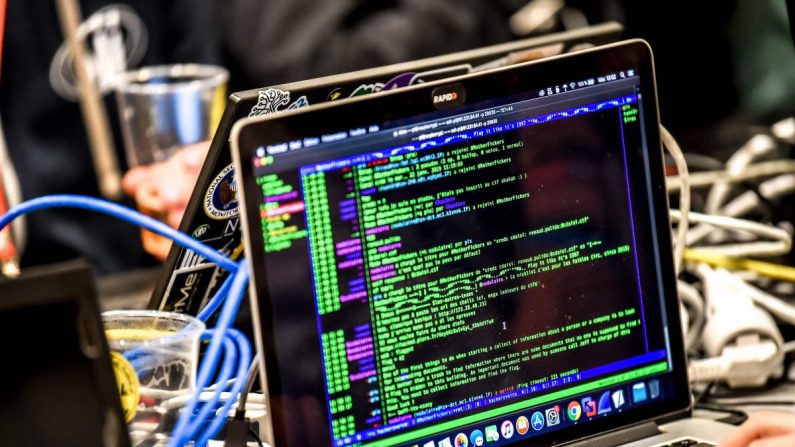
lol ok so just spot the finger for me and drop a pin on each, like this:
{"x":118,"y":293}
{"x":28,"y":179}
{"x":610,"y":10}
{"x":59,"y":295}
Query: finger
{"x":133,"y":179}
{"x":775,"y":441}
{"x":176,"y":189}
{"x":192,"y":157}
{"x":760,"y":425}
{"x":156,"y":245}
{"x":175,"y":217}
{"x":149,"y":200}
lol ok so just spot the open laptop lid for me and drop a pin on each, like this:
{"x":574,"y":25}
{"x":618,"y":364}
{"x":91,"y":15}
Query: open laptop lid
{"x":188,"y":280}
{"x":482,"y":258}
{"x":58,"y":386}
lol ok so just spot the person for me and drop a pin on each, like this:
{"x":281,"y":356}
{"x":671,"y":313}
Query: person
{"x":163,"y":190}
{"x":763,"y":429}
{"x":261,"y":42}
{"x":275,"y":42}
{"x":44,"y":133}
{"x":270,"y":43}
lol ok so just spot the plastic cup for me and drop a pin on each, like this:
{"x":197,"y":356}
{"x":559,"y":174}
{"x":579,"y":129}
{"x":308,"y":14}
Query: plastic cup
{"x":167,"y":107}
{"x":155,"y":357}
{"x":162,"y":110}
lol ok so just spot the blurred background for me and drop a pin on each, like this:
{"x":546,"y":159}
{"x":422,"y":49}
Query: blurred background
{"x":725,"y":69}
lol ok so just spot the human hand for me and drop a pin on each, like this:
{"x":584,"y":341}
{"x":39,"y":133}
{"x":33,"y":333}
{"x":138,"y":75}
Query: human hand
{"x":162,"y":191}
{"x":763,"y":429}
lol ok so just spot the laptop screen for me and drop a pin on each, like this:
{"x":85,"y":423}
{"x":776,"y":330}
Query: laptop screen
{"x":485,"y":274}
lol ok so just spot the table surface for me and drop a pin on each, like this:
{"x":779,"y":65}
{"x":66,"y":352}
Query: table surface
{"x":128,"y":290}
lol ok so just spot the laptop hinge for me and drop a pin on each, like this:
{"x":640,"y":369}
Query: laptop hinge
{"x":620,"y":437}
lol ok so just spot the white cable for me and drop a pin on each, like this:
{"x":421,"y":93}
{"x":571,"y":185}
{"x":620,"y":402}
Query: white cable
{"x":781,"y":240}
{"x":746,"y":202}
{"x":785,"y":130}
{"x":684,"y":196}
{"x":689,"y":296}
{"x":756,"y":170}
{"x":758,"y":146}
{"x":776,"y":306}
{"x":741,"y":366}
{"x":741,"y":339}
{"x":255,"y":401}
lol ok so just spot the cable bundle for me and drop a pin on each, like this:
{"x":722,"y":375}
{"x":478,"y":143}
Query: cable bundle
{"x":228,"y":357}
{"x":728,"y":313}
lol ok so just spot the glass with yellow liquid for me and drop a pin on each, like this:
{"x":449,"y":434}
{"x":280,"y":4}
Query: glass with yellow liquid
{"x":155,"y":356}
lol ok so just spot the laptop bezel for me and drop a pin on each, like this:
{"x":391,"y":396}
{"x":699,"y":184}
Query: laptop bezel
{"x":248,"y":134}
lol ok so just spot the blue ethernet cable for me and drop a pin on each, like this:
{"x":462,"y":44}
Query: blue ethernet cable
{"x":212,"y":305}
{"x":229,"y":366}
{"x":216,"y":301}
{"x":120,"y":212}
{"x":243,"y":365}
{"x":209,"y":365}
{"x":235,"y":287}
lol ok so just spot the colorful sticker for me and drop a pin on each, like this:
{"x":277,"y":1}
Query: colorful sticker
{"x":334,"y":95}
{"x":220,"y":201}
{"x":201,"y":231}
{"x":300,"y":102}
{"x":366,"y":89}
{"x":401,"y":80}
{"x":127,"y":383}
{"x":269,"y":101}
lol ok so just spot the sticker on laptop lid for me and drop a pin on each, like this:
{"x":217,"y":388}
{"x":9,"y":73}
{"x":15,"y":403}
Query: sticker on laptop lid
{"x":299,"y":103}
{"x":201,"y":231}
{"x":269,"y":101}
{"x":334,"y":95}
{"x":367,"y":89}
{"x":220,"y":200}
{"x":127,"y":384}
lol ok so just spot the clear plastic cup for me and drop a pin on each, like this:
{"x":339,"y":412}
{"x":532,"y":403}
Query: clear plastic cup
{"x":164,"y":109}
{"x":155,"y":357}
{"x":167,"y":107}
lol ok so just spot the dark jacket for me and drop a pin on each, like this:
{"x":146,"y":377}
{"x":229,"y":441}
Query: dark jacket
{"x":45,"y":135}
{"x":263,"y":42}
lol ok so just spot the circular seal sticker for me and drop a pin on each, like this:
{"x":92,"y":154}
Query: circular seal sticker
{"x":220,"y":201}
{"x":127,"y":382}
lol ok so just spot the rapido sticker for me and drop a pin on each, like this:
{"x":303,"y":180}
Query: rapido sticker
{"x":220,"y":201}
{"x":127,"y":383}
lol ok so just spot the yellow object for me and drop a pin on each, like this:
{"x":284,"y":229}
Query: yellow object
{"x":128,"y":385}
{"x":136,"y":334}
{"x":768,"y":269}
{"x":217,"y":108}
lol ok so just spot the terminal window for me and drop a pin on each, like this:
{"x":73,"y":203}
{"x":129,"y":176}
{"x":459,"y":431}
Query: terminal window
{"x":472,"y":269}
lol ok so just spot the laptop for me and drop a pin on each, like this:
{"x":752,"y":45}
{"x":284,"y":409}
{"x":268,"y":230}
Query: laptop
{"x":483,"y":260}
{"x":188,"y":280}
{"x":58,"y":386}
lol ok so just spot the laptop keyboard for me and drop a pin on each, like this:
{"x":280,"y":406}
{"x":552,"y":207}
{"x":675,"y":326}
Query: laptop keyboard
{"x":688,"y":443}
